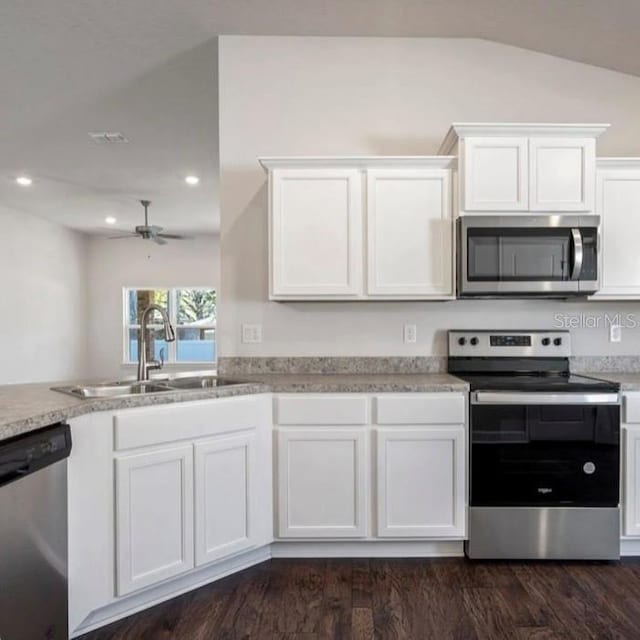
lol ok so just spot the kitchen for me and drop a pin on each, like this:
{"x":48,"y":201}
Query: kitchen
{"x":334,"y":377}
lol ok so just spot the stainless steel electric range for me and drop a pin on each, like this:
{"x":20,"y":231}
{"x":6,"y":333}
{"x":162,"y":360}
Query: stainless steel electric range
{"x":544,"y":448}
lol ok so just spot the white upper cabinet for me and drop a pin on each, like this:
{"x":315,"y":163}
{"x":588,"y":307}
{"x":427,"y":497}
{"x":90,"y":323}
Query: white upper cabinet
{"x":618,"y":205}
{"x":495,"y":174}
{"x":409,"y":233}
{"x":544,"y":168}
{"x":324,"y":211}
{"x":316,"y":233}
{"x":561,"y":174}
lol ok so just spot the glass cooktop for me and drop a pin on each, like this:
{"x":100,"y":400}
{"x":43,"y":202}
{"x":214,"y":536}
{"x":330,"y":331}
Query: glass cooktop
{"x":536,"y":382}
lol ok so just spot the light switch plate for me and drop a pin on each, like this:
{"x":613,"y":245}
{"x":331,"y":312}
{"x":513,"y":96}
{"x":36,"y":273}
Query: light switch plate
{"x":251,"y":333}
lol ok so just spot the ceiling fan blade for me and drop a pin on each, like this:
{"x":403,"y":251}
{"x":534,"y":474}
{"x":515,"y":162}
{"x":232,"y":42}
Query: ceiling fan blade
{"x":158,"y":239}
{"x":155,"y":229}
{"x":172,"y":236}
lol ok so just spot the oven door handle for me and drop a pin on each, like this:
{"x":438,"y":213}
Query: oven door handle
{"x":533,"y":397}
{"x":578,"y":253}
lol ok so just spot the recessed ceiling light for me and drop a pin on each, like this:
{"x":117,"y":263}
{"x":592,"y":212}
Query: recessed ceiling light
{"x":110,"y":220}
{"x":24,"y":181}
{"x":192,"y":180}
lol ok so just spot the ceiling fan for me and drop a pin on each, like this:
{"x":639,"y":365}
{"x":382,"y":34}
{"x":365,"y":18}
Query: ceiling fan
{"x":147,"y":231}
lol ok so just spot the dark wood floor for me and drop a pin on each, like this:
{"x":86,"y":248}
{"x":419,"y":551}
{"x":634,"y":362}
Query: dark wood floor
{"x":422,"y":599}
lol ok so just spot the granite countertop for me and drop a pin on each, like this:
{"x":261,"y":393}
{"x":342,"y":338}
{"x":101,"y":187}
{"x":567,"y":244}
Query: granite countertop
{"x":26,"y":407}
{"x":356,"y":382}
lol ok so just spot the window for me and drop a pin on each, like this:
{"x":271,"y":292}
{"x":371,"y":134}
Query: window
{"x":192,"y":312}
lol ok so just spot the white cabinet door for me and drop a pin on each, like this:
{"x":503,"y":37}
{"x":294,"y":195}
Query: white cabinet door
{"x":225,"y":496}
{"x":322,"y":483}
{"x":410,"y":233}
{"x":495,"y":174}
{"x":561,"y":174}
{"x":316,"y":233}
{"x":421,"y":482}
{"x":631,"y":480}
{"x":154,"y":516}
{"x":618,"y":205}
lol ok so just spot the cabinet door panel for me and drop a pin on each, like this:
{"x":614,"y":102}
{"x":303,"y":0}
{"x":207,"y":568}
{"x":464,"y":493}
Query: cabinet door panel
{"x":409,"y":232}
{"x":618,"y":205}
{"x":322,"y":483}
{"x":631,"y":485}
{"x":225,"y":496}
{"x":561,"y":174}
{"x":495,"y":174}
{"x":316,"y":232}
{"x":154,"y":523}
{"x":421,"y":482}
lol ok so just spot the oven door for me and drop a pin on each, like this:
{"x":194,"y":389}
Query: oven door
{"x":538,"y":449}
{"x":548,"y":255}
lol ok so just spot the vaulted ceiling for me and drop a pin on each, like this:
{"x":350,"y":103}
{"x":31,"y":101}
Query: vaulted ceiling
{"x":147,"y":68}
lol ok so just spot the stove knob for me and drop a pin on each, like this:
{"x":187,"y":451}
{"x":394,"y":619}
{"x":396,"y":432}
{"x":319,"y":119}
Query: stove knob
{"x":462,"y":341}
{"x":474,"y":341}
{"x":546,"y":342}
{"x":557,"y":341}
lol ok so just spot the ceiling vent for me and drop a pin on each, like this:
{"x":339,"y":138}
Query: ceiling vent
{"x":108,"y":137}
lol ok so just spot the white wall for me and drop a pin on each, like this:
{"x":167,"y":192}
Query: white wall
{"x":395,"y":96}
{"x":44,"y":306}
{"x":114,"y":264}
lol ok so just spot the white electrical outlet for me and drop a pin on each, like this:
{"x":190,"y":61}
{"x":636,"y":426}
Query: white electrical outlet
{"x":410,"y":333}
{"x":615,"y":333}
{"x":251,"y":333}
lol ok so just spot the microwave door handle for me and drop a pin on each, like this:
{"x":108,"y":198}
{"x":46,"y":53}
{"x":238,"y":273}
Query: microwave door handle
{"x":578,"y":254}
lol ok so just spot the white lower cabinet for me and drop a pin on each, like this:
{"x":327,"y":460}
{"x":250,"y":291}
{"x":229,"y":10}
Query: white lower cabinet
{"x":631,"y":478}
{"x":631,"y":463}
{"x":322,"y":482}
{"x":163,"y":499}
{"x":421,"y":481}
{"x":154,"y":516}
{"x":225,"y":496}
{"x":401,"y":473}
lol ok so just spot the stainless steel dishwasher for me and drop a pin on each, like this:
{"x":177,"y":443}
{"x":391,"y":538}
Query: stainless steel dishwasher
{"x":33,"y":535}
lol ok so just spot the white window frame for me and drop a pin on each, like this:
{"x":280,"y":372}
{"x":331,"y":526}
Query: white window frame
{"x":172,"y":310}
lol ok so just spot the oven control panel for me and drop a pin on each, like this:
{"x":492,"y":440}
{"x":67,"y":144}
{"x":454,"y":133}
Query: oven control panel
{"x":483,"y":343}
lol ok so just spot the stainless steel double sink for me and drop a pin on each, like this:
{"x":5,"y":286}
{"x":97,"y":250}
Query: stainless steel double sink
{"x":121,"y":388}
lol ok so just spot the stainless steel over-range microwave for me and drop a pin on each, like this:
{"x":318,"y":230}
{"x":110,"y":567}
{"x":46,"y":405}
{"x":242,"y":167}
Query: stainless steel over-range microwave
{"x":528,"y":255}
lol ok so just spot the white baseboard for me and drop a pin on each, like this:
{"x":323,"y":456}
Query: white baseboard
{"x":284,"y":549}
{"x":630,"y":547}
{"x":300,"y":549}
{"x":368,"y":549}
{"x":176,"y":586}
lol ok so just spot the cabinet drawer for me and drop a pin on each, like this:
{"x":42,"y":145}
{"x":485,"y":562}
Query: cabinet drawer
{"x":323,"y":408}
{"x":420,"y":408}
{"x":631,"y":405}
{"x":189,"y":420}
